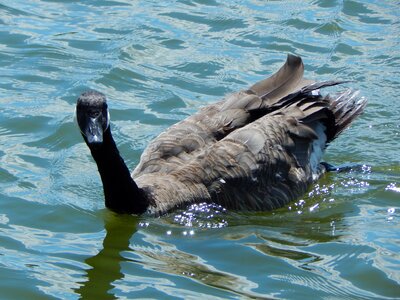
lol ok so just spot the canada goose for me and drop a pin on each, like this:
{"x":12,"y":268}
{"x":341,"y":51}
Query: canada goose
{"x":257,"y":149}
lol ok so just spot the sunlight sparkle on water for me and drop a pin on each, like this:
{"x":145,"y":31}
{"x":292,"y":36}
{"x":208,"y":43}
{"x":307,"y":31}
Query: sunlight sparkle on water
{"x":144,"y":224}
{"x":392,"y":187}
{"x":391,"y":214}
{"x":202,"y":215}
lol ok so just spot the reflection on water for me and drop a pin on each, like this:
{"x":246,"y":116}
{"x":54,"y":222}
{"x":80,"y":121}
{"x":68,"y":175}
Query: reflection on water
{"x":138,"y":253}
{"x":105,"y":273}
{"x":158,"y":62}
{"x":105,"y":267}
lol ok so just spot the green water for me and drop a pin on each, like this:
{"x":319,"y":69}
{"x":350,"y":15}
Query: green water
{"x":159,"y":61}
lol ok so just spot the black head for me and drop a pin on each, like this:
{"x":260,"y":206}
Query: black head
{"x":92,"y":116}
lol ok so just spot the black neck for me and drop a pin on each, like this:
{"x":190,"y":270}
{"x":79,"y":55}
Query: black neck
{"x":120,"y":191}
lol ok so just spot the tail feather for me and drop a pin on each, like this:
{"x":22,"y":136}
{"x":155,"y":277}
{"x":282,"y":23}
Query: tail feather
{"x":338,"y":110}
{"x":282,"y":83}
{"x":346,"y":107}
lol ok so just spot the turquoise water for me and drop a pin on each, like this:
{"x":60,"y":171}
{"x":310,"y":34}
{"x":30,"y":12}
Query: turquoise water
{"x":159,"y":61}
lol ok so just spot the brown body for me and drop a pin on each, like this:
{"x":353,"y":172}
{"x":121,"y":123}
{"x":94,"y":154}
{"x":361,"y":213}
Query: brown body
{"x":257,"y":149}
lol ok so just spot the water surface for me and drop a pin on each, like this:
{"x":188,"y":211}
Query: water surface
{"x":157,"y":62}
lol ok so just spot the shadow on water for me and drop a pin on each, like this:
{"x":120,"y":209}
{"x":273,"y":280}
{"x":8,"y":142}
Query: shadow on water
{"x":105,"y":267}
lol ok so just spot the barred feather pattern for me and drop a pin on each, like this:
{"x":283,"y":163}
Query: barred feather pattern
{"x":246,"y":154}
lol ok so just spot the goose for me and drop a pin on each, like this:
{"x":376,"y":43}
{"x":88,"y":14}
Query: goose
{"x":257,"y":149}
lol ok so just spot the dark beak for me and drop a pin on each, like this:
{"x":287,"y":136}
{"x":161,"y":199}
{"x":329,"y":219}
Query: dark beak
{"x":94,"y":130}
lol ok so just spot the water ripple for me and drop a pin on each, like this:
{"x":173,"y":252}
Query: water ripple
{"x":158,"y":62}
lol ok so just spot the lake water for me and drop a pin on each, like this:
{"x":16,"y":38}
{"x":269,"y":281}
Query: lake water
{"x":159,"y":61}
